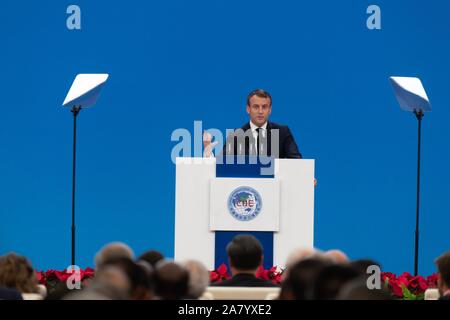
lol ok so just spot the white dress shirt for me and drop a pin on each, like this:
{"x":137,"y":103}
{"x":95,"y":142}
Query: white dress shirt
{"x":255,"y":134}
{"x":208,"y":151}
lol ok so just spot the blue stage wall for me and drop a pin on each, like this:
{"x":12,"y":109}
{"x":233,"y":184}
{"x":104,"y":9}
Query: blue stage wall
{"x":174,"y":62}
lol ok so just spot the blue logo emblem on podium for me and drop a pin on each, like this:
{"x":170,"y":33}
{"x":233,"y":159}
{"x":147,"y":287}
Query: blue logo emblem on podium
{"x":244,"y":203}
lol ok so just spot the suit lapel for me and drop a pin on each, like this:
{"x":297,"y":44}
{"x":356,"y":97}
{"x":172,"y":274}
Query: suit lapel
{"x":269,"y":139}
{"x":244,"y":128}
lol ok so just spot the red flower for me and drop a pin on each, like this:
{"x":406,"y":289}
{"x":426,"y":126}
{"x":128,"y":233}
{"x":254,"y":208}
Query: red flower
{"x":405,"y":278}
{"x":277,"y":278}
{"x":387,"y":275}
{"x":214,"y":276}
{"x":40,"y":277}
{"x":262,"y":274}
{"x":396,"y":287}
{"x":50,"y":274}
{"x":418,"y":285}
{"x":87,"y":273}
{"x":273,"y":270}
{"x":62,"y":275}
{"x":269,"y":275}
{"x":221,"y":273}
{"x":432,"y":280}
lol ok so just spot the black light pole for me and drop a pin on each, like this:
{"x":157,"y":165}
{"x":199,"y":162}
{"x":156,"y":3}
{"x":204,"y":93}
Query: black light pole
{"x":419,"y":115}
{"x":412,"y":97}
{"x":82,"y":94}
{"x":75,"y":110}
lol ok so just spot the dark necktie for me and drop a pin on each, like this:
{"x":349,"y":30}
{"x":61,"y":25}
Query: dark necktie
{"x":258,"y":130}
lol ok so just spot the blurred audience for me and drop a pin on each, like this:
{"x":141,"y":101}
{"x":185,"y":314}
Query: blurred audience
{"x":362,"y":265}
{"x":443,"y":265}
{"x":152,"y":257}
{"x":337,"y":256}
{"x":16,"y":272}
{"x":298,"y":284}
{"x":310,"y":274}
{"x":110,"y":283}
{"x":198,"y":278}
{"x":140,"y":278}
{"x":300,"y":254}
{"x":10,"y":294}
{"x":357,"y":290}
{"x":171,"y":281}
{"x":331,"y":279}
{"x":113,"y":251}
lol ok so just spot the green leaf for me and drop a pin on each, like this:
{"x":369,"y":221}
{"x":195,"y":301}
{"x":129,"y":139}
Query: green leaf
{"x":420,"y":296}
{"x":407,"y":295}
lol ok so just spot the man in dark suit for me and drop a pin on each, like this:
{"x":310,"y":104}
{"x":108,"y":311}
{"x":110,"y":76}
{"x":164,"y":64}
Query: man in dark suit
{"x":443,"y":265}
{"x":245,"y":255}
{"x":259,"y":136}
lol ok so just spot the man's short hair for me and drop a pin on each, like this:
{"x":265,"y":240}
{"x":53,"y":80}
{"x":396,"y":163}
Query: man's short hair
{"x":443,"y":265}
{"x":198,"y":278}
{"x":245,"y":252}
{"x":171,"y":281}
{"x":331,"y":279}
{"x":301,"y":278}
{"x":152,"y":257}
{"x":259,"y":93}
{"x":113,"y":251}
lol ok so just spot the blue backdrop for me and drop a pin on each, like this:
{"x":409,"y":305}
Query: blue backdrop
{"x":173,"y":62}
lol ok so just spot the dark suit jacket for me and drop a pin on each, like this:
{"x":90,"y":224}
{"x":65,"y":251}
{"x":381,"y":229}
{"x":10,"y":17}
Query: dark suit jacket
{"x":286,"y":142}
{"x":10,"y":294}
{"x":447,"y":298}
{"x":244,"y":280}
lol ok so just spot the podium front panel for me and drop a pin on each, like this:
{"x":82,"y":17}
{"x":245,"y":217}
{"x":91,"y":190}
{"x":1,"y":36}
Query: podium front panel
{"x":244,"y":204}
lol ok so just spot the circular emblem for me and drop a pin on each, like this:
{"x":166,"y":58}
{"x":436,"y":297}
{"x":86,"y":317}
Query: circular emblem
{"x":244,"y":203}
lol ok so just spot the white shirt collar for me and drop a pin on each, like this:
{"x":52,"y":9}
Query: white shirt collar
{"x":254,"y":126}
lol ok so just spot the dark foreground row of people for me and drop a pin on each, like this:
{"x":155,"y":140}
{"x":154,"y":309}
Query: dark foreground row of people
{"x":310,"y":274}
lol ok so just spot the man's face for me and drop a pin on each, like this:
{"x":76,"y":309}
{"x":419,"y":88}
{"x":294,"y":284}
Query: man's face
{"x":259,"y":110}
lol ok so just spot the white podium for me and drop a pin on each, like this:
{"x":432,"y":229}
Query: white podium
{"x":283,"y":204}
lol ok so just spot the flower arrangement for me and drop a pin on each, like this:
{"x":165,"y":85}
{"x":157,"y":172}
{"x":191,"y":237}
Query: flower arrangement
{"x":408,"y":287}
{"x":51,"y":278}
{"x":221,"y":273}
{"x":405,"y":286}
